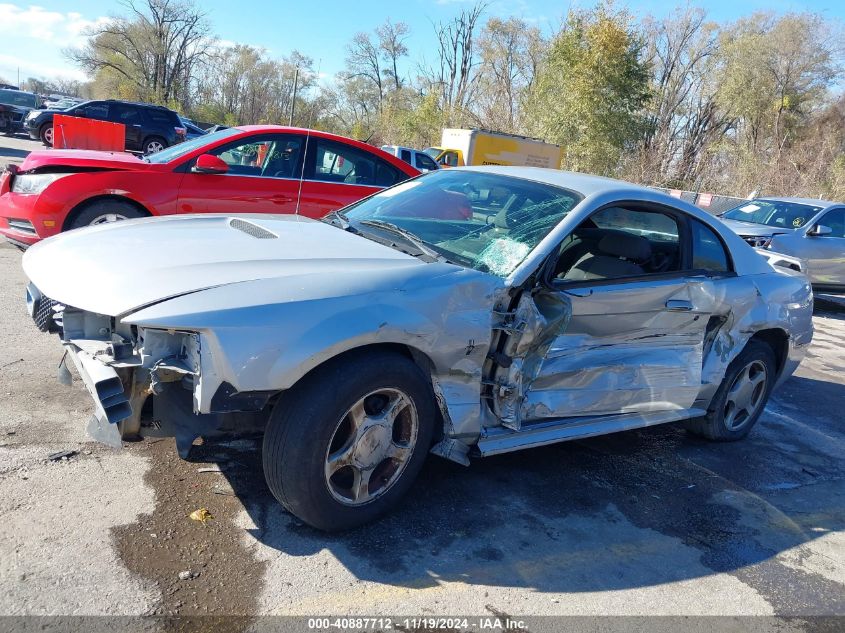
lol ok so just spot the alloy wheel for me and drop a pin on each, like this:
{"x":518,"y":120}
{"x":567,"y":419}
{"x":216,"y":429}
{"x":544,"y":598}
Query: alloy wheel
{"x":746,"y":395}
{"x":106,"y":218}
{"x":371,"y":446}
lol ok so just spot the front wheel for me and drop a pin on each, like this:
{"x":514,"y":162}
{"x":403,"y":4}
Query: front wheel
{"x":46,"y":134}
{"x":105,"y":211}
{"x":741,"y":397}
{"x":344,"y":445}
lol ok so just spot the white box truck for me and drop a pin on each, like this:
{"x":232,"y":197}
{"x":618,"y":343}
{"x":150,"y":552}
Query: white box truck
{"x":482,"y":147}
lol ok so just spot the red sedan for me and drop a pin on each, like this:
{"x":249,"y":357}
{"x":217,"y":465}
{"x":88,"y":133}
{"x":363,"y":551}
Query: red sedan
{"x":249,"y":169}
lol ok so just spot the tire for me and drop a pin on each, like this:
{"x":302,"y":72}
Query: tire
{"x":46,"y":134}
{"x":725,"y":420}
{"x":103,"y":211}
{"x":153,"y":144}
{"x":311,"y":434}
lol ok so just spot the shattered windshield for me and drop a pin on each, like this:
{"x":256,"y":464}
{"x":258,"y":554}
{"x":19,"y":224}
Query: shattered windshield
{"x":777,"y":213}
{"x":484,"y":221}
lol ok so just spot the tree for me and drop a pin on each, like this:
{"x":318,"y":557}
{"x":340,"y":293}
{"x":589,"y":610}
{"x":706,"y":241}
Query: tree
{"x":455,"y":74}
{"x":151,"y":54}
{"x":391,"y":42}
{"x":591,"y":90}
{"x":510,"y":52}
{"x":684,"y":121}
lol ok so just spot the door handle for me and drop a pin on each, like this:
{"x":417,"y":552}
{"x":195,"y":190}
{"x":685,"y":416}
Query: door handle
{"x":679,"y":305}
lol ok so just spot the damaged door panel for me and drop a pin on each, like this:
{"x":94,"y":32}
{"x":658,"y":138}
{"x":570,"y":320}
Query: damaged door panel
{"x":628,"y":347}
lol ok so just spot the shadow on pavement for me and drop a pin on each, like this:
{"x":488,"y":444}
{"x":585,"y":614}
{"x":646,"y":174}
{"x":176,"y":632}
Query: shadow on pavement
{"x":634,"y":509}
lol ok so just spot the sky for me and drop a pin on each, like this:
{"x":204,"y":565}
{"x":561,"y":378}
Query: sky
{"x":33,"y":35}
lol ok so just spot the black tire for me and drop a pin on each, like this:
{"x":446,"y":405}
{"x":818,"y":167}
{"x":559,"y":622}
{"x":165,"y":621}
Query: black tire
{"x":93,"y":213}
{"x":304,"y":424}
{"x":713,"y":426}
{"x":153,"y":144}
{"x":45,"y":133}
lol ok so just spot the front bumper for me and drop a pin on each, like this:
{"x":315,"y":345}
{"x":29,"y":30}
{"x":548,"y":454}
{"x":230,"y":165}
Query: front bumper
{"x":25,"y":218}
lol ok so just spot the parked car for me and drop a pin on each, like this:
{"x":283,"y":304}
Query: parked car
{"x":417,"y":158}
{"x":565,"y":306}
{"x":813,"y":231}
{"x":62,"y":104}
{"x":149,"y":128}
{"x":252,"y":169}
{"x":192,"y":130}
{"x":14,"y":106}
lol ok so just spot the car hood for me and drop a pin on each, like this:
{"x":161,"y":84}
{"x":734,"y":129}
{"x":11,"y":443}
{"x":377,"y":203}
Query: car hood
{"x":16,"y":108}
{"x":84,"y":158}
{"x":118,"y":268}
{"x":753,"y":230}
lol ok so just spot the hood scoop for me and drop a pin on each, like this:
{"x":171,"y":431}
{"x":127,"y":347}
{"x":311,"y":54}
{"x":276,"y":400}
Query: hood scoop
{"x":258,"y":232}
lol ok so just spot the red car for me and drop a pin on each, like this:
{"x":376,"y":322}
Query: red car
{"x":249,"y":169}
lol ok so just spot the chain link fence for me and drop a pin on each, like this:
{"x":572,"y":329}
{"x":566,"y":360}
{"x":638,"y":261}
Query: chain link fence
{"x":710,"y":202}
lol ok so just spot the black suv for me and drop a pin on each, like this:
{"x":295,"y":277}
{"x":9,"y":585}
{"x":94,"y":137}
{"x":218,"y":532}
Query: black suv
{"x":149,"y":128}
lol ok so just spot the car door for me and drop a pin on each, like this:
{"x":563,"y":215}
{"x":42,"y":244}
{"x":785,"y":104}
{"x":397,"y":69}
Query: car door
{"x":337,"y":174}
{"x":262,"y":177}
{"x":424,"y":162}
{"x":625,"y":318}
{"x":130,"y":117}
{"x":825,"y":254}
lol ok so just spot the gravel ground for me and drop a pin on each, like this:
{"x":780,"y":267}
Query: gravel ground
{"x":651,"y":522}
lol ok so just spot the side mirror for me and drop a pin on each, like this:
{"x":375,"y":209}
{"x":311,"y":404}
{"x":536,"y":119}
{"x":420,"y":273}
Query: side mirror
{"x":209,"y":164}
{"x":819,"y":230}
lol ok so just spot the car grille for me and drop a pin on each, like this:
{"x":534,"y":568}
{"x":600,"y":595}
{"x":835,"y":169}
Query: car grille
{"x":24,"y":226}
{"x":44,"y":315}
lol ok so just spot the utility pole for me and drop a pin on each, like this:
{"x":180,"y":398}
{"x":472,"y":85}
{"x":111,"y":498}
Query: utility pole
{"x":293,"y":99}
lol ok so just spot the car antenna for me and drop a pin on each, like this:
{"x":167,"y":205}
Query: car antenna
{"x":305,"y":152}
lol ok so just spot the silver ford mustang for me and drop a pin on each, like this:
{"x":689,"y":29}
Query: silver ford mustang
{"x":467,"y":312}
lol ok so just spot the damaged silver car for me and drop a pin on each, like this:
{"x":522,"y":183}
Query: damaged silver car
{"x":467,"y":312}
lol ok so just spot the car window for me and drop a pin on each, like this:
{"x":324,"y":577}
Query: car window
{"x":618,"y":242}
{"x":836,"y":221}
{"x":708,"y":252}
{"x":335,"y":162}
{"x":18,"y":98}
{"x":486,"y":222}
{"x":126,"y":115}
{"x":275,"y":156}
{"x":406,"y":155}
{"x":92,"y":110}
{"x":450,"y":159}
{"x":162,"y":117}
{"x":425,"y":162}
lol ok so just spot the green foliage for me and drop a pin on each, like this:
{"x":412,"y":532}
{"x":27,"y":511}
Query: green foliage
{"x":591,"y":90}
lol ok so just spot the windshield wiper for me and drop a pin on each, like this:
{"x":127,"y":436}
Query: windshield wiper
{"x":336,"y":218}
{"x":407,"y":236}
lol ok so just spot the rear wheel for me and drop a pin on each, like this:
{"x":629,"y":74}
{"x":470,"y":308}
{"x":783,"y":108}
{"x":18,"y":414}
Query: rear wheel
{"x":344,"y":445}
{"x":153,"y":145}
{"x":741,"y":397}
{"x":46,"y":134}
{"x":105,"y":211}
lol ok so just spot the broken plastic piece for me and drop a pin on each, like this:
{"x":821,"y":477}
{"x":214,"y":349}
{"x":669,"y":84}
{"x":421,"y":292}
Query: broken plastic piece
{"x":55,"y":457}
{"x":202,"y":515}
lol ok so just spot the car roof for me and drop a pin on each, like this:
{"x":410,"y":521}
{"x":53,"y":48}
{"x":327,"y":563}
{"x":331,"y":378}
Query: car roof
{"x":810,"y":201}
{"x":585,"y":184}
{"x":136,"y":103}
